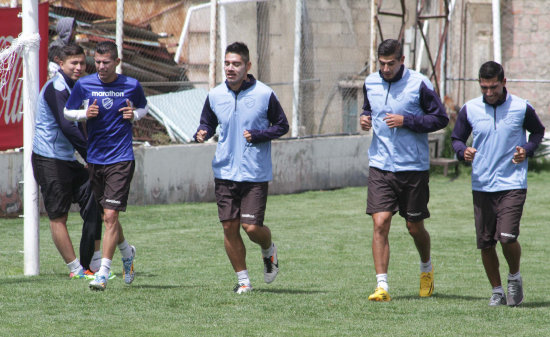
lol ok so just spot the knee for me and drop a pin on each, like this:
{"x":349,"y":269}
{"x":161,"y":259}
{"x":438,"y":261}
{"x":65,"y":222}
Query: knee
{"x":110,"y":221}
{"x":230,"y":228}
{"x":415,"y":228}
{"x":249,"y":229}
{"x":381,"y":229}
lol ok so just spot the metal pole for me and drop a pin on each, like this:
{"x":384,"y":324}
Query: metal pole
{"x":213,"y":39}
{"x":30,"y":188}
{"x":119,"y":31}
{"x":223,"y":34}
{"x":296,"y":77}
{"x":496,"y":32}
{"x":372,"y":51}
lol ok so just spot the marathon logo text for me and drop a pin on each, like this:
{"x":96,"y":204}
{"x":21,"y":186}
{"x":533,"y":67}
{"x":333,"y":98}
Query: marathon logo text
{"x":108,"y":93}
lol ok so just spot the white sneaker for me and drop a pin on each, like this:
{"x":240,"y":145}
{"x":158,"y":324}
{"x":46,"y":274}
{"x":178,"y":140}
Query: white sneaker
{"x":271,"y":266}
{"x":128,"y":267}
{"x":99,"y":283}
{"x":242,"y":288}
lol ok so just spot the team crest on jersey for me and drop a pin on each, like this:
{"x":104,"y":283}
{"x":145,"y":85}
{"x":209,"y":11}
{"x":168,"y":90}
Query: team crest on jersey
{"x":249,"y":102}
{"x":107,"y":102}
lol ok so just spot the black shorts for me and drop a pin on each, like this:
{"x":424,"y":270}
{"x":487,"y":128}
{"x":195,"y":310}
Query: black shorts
{"x":497,"y":216}
{"x":407,"y":192}
{"x":111,"y":183}
{"x":59,"y":181}
{"x":245,"y":201}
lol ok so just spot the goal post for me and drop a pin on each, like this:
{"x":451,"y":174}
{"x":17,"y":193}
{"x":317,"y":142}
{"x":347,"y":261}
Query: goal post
{"x":31,"y":89}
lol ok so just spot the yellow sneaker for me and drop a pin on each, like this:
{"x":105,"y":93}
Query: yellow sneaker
{"x":427,"y":283}
{"x":380,"y":295}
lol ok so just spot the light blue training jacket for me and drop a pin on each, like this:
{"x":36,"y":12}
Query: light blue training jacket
{"x":497,"y":130}
{"x":411,"y":95}
{"x":49,"y":140}
{"x":254,"y":108}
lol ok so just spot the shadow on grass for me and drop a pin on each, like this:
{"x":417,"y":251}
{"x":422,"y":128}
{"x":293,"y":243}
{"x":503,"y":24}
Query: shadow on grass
{"x":534,"y":305}
{"x":19,"y":280}
{"x":288,"y":291}
{"x":442,"y":296}
{"x":151,"y":286}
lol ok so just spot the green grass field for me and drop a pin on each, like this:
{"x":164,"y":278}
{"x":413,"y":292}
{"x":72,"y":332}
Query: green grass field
{"x":184,"y":281}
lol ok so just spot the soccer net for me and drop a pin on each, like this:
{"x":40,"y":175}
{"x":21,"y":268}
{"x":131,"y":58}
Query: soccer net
{"x":10,"y":52}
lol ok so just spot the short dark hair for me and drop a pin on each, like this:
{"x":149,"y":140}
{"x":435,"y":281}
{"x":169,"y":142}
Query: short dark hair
{"x":390,"y":47}
{"x":107,"y":47}
{"x":491,"y":69}
{"x":54,"y":53}
{"x":71,"y":49}
{"x":239,"y":48}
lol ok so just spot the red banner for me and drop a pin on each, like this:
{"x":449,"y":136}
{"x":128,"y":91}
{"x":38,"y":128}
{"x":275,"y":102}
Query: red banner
{"x":11,"y":94}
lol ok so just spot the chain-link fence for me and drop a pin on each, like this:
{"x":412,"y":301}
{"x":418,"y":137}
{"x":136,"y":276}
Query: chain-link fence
{"x":167,"y":46}
{"x":524,"y":46}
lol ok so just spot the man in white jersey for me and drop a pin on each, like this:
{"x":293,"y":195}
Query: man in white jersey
{"x":111,"y":102}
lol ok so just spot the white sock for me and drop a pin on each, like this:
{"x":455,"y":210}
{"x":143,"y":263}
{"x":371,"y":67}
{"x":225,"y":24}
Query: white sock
{"x":105,"y":267}
{"x":95,"y":264}
{"x":267,"y":252}
{"x":426,"y":267}
{"x":515,"y":277}
{"x":74,"y":266}
{"x":242,"y":277}
{"x":125,"y":249}
{"x":498,"y":290}
{"x":382,"y":281}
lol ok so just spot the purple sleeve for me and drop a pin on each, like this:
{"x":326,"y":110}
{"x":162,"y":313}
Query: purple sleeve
{"x":56,"y":101}
{"x":208,"y":121}
{"x":434,"y":117}
{"x":532,"y":123}
{"x":461,"y":132}
{"x":279,"y":123}
{"x":367,"y":110}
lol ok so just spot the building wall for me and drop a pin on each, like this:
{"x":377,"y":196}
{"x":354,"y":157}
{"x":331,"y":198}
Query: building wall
{"x":183,"y":173}
{"x":525,"y":44}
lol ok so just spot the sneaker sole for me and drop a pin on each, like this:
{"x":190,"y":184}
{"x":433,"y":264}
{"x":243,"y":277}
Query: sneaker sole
{"x":515,"y":304}
{"x":97,"y":287}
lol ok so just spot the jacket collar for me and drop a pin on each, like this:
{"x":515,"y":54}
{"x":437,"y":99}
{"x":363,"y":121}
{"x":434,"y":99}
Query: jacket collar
{"x":249,"y":82}
{"x":397,"y":76}
{"x":70,"y":82}
{"x":501,"y":100}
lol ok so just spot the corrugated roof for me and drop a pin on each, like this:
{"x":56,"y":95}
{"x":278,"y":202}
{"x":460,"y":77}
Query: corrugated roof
{"x":179,"y":112}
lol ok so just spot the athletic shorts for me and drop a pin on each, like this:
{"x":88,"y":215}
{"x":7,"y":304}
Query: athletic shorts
{"x":407,"y":192}
{"x":497,"y":216}
{"x":111,"y":183}
{"x":245,"y":201}
{"x":59,"y":181}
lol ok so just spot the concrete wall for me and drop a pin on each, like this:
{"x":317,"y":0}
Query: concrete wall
{"x":11,"y":192}
{"x":524,"y":40}
{"x":183,"y":173}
